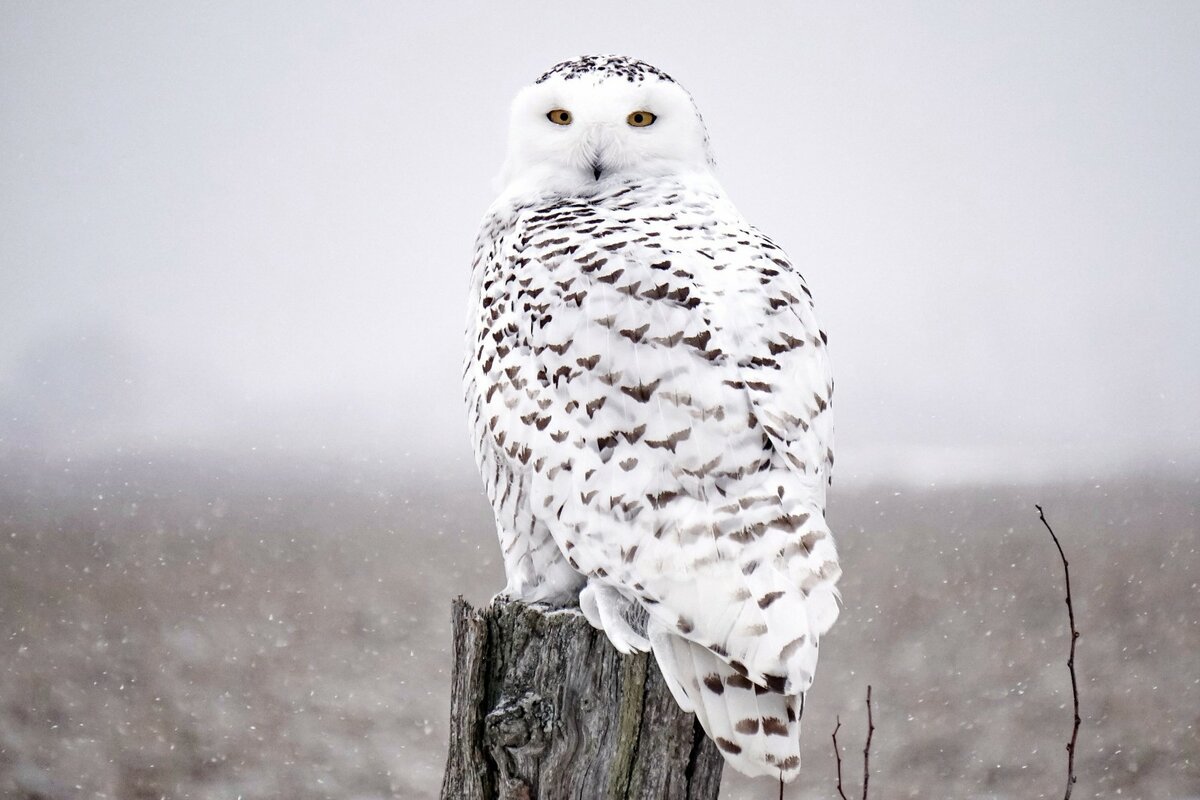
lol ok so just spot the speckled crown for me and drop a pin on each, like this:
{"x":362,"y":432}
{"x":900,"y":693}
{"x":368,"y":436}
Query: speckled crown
{"x":630,"y":69}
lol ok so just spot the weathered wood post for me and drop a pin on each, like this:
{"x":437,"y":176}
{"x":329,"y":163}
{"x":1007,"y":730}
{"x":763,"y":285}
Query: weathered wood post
{"x":543,"y":707}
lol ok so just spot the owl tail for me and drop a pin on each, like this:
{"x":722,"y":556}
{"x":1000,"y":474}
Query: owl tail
{"x":757,"y":729}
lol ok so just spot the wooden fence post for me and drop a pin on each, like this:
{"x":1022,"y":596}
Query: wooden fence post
{"x":544,"y":708}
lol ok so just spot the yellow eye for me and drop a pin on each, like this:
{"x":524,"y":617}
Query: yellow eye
{"x":559,"y":116}
{"x":640,"y":119}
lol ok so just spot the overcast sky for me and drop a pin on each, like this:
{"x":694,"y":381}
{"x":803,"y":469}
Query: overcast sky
{"x":249,"y":225}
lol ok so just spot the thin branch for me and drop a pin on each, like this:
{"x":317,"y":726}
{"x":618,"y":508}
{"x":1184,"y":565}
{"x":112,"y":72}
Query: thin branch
{"x":1070,"y":658}
{"x":838,"y":754}
{"x":867,"y":748}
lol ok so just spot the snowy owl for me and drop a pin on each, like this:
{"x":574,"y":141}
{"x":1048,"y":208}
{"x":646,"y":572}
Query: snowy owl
{"x":649,"y":394}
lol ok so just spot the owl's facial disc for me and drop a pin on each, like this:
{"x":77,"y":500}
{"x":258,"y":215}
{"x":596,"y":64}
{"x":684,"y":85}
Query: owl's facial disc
{"x":571,"y":132}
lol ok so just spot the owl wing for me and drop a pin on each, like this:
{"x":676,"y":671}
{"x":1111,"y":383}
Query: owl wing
{"x":788,"y":375}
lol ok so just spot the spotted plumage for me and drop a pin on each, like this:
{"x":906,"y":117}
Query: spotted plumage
{"x":629,"y":69}
{"x":649,"y":394}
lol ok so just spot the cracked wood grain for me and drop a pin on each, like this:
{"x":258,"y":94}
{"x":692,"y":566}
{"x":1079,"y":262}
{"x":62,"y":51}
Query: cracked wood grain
{"x":542,"y":707}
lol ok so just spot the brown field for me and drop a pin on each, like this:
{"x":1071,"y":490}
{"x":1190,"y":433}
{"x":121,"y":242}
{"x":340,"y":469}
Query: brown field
{"x":199,"y":629}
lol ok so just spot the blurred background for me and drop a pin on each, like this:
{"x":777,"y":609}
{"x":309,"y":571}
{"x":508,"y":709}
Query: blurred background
{"x":236,"y":490}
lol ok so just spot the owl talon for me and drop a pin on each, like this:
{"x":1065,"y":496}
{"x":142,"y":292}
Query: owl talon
{"x":604,"y":608}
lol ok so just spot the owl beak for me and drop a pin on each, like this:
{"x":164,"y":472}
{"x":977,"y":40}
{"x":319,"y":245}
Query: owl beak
{"x":598,"y":142}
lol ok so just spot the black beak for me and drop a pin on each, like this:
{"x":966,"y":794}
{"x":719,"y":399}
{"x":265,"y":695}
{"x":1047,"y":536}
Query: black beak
{"x":597,"y":170}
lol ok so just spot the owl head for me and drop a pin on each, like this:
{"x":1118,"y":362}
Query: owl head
{"x":600,"y":119}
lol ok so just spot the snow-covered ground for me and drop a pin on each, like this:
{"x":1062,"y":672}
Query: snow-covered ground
{"x":198,"y":628}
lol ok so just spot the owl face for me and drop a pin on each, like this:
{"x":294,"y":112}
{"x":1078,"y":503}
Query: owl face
{"x":582,"y":127}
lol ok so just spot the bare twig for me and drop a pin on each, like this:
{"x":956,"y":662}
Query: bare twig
{"x":837,"y":751}
{"x":1070,"y":658}
{"x":838,"y":754}
{"x":1071,"y":745}
{"x":867,"y":748}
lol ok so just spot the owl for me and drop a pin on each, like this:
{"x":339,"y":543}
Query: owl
{"x":649,"y":396}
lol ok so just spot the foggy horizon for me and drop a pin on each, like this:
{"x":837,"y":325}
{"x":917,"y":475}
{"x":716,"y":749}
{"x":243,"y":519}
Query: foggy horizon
{"x":251,"y":228}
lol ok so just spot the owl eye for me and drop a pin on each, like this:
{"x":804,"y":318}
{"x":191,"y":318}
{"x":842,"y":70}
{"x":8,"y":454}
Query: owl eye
{"x":640,"y":119}
{"x":559,"y":116}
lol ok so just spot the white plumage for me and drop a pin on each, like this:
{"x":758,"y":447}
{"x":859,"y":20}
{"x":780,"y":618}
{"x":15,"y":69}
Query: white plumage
{"x":650,"y":399}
